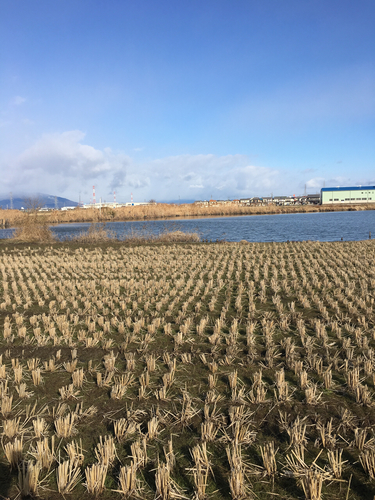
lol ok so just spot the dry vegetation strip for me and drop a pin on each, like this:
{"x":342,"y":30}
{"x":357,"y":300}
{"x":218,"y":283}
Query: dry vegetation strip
{"x":164,"y":210}
{"x":188,"y":371}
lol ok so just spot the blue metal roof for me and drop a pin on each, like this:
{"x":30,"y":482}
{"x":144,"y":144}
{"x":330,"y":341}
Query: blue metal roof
{"x":345,"y":188}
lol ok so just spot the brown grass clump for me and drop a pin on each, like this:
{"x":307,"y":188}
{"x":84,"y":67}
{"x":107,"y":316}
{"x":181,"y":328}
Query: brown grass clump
{"x":178,"y":237}
{"x":139,"y":237}
{"x":33,"y":228}
{"x":96,"y":233}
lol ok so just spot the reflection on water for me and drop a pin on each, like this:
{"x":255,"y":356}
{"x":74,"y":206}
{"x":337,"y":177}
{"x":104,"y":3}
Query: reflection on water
{"x":297,"y":227}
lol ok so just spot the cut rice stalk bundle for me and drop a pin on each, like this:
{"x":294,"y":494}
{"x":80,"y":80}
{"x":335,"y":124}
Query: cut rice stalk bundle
{"x":118,"y":391}
{"x":268,"y":454}
{"x":3,"y":372}
{"x":95,"y":478}
{"x":200,"y":456}
{"x":150,"y":362}
{"x":170,"y":457}
{"x":258,"y":394}
{"x":363,"y":395}
{"x":68,"y":392}
{"x":75,"y":453}
{"x":28,"y":478}
{"x":168,"y":379}
{"x":238,"y":396}
{"x":105,"y":451}
{"x":139,"y":452}
{"x":22,"y":392}
{"x":77,"y":378}
{"x":142,"y":393}
{"x":43,"y":453}
{"x":59,"y":410}
{"x":367,"y":459}
{"x":13,"y":452}
{"x":70,"y":366}
{"x":107,"y":381}
{"x":312,"y":395}
{"x":109,"y":362}
{"x":124,"y":428}
{"x":128,"y":482}
{"x":144,"y":379}
{"x":237,"y":483}
{"x":32,"y":364}
{"x":166,"y":488}
{"x":36,"y":376}
{"x":328,"y":439}
{"x":200,"y":475}
{"x":17,"y":374}
{"x":6,"y":405}
{"x":152,"y":428}
{"x":209,"y":431}
{"x":11,"y":427}
{"x":360,"y":442}
{"x":297,"y":433}
{"x":65,"y":425}
{"x":240,"y":433}
{"x":50,"y":365}
{"x":162,"y":393}
{"x":68,"y":475}
{"x":310,"y":477}
{"x":188,"y":412}
{"x":336,"y":462}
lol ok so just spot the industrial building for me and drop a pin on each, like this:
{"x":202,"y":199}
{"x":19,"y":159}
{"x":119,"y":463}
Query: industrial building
{"x":343,"y":195}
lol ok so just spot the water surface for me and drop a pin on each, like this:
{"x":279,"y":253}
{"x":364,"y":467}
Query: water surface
{"x":327,"y":226}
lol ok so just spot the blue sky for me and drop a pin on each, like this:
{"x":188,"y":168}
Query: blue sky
{"x":189,"y":99}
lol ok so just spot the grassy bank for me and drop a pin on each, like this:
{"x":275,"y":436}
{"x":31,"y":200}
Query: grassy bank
{"x":161,"y":211}
{"x":230,"y":370}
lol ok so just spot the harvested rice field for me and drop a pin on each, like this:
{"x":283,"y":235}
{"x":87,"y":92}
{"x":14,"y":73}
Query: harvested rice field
{"x":223,"y":371}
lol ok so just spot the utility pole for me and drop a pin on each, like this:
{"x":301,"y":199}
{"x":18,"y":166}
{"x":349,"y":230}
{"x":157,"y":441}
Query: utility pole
{"x":11,"y":200}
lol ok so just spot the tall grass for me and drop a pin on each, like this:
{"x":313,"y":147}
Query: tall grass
{"x":32,"y":227}
{"x":160,"y":211}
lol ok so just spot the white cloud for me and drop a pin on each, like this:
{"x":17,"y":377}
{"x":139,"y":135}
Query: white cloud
{"x":228,"y":175}
{"x":63,"y":164}
{"x":315,"y":183}
{"x":319,"y":182}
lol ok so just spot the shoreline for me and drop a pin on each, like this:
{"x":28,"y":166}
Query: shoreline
{"x":172,"y":212}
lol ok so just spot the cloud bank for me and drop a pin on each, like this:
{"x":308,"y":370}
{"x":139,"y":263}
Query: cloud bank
{"x":63,"y":164}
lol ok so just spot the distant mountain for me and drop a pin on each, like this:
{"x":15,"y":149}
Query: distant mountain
{"x":44,"y":200}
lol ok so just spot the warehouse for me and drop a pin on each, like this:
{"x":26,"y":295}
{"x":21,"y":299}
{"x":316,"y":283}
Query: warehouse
{"x":354,"y":194}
